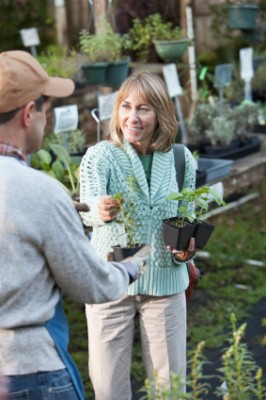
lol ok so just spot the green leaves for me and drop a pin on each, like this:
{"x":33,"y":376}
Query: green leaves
{"x":62,"y":168}
{"x":201,"y":197}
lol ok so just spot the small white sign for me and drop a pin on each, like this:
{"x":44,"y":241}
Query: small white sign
{"x":172,"y":80}
{"x":29,"y":37}
{"x":246,"y":64}
{"x":106,"y":104}
{"x":219,"y":187}
{"x":59,"y":3}
{"x":66,"y":118}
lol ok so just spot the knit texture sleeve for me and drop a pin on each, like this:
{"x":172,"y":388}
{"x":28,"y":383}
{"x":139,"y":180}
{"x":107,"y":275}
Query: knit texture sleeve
{"x":94,"y":176}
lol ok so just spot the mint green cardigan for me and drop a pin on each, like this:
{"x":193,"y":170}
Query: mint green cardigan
{"x":104,"y":170}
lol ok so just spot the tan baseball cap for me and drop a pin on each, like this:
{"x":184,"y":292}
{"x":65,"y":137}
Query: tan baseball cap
{"x":23,"y":79}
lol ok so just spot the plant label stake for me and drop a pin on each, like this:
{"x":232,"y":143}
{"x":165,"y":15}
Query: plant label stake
{"x":66,"y":120}
{"x":30,"y":38}
{"x":104,"y":110}
{"x":246,"y":70}
{"x":222,"y":79}
{"x":175,"y":90}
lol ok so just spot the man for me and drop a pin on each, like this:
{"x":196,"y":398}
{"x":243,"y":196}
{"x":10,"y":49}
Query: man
{"x":43,"y":249}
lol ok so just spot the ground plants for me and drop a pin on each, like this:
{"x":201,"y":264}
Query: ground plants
{"x":239,"y":378}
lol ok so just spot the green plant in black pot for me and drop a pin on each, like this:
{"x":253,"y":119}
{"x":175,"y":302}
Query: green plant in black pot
{"x":178,"y":230}
{"x":127,"y":217}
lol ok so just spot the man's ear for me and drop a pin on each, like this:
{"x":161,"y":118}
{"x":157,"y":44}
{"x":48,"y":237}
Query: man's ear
{"x":27,"y":113}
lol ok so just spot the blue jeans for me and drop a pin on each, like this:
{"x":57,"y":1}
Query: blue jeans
{"x":55,"y":385}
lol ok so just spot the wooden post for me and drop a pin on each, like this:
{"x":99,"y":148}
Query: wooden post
{"x":99,"y":14}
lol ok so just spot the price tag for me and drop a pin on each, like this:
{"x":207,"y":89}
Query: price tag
{"x":29,"y":37}
{"x":106,"y":104}
{"x":66,"y":118}
{"x":246,"y":64}
{"x":223,"y":75}
{"x":172,"y":80}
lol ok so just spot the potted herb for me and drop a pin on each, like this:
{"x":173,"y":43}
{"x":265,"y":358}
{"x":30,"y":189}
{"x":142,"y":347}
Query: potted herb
{"x":128,"y":219}
{"x":154,"y":32}
{"x":178,"y":230}
{"x":105,"y":64}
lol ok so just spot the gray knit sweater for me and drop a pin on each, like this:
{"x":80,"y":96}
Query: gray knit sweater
{"x":42,"y":248}
{"x":105,"y":169}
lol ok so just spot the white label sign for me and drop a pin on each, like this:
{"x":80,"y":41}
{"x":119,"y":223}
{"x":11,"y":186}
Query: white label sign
{"x":66,"y":118}
{"x":246,"y":64}
{"x":171,"y":79}
{"x":29,"y":37}
{"x":106,"y":104}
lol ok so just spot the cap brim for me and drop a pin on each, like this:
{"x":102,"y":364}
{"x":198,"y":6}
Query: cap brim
{"x":59,"y":87}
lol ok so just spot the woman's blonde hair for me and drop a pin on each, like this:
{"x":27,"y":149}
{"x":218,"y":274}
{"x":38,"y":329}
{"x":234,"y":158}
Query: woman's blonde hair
{"x":151,"y":88}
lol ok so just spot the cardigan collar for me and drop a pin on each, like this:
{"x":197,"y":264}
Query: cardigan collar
{"x":160,"y":164}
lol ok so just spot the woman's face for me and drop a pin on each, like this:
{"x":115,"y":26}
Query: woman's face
{"x":138,"y":121}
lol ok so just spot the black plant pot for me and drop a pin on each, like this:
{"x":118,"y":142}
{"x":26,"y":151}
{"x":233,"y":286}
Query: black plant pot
{"x":202,"y":234}
{"x":120,"y":253}
{"x":251,"y":145}
{"x":177,"y":237}
{"x":201,"y":177}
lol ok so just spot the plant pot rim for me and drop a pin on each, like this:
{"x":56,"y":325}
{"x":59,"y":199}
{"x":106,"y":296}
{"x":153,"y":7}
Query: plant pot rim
{"x":254,"y":6}
{"x":184,"y":40}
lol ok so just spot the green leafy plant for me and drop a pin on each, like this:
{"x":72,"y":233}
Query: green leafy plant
{"x":221,"y":131}
{"x":73,"y":141}
{"x":62,"y":168}
{"x":58,"y":61}
{"x":201,"y":196}
{"x":105,"y":46}
{"x":127,"y":215}
{"x":141,"y":36}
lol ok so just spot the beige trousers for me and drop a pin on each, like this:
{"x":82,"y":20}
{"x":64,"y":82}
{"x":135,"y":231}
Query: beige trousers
{"x":162,"y":322}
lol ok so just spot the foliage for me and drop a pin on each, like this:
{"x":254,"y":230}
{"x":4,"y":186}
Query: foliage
{"x":200,"y":196}
{"x":16,"y":15}
{"x":127,"y":215}
{"x":241,"y":378}
{"x":143,"y":32}
{"x":259,"y":79}
{"x":57,"y":61}
{"x":62,"y":168}
{"x":73,"y":141}
{"x":240,"y":374}
{"x":221,"y":131}
{"x":105,"y":46}
{"x":211,"y":121}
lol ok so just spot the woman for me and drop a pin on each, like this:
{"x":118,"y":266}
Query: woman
{"x":143,"y":127}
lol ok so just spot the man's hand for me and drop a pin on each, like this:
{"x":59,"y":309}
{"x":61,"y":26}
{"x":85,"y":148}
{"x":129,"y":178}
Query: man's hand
{"x":184,"y":255}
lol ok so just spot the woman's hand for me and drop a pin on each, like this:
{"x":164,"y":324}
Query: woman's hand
{"x":184,"y":255}
{"x":108,"y":208}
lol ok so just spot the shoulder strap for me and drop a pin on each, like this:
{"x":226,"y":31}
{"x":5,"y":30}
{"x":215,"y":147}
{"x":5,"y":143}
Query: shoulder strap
{"x":179,"y":154}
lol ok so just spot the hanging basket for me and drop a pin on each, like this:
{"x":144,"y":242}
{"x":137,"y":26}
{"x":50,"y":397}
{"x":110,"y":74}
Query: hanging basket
{"x":242,"y":16}
{"x":117,"y":72}
{"x":171,"y":50}
{"x":95,"y":73}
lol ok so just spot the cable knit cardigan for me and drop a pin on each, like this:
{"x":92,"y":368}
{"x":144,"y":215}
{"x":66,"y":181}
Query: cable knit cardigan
{"x":105,"y":169}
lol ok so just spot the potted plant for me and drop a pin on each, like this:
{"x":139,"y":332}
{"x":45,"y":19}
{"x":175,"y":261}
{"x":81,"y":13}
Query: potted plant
{"x":210,"y":130}
{"x":154,"y":32}
{"x":130,"y":223}
{"x":241,"y":14}
{"x":178,"y":230}
{"x":104,"y":51}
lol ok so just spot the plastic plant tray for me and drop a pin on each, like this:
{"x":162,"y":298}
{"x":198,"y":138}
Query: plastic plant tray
{"x":215,"y":168}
